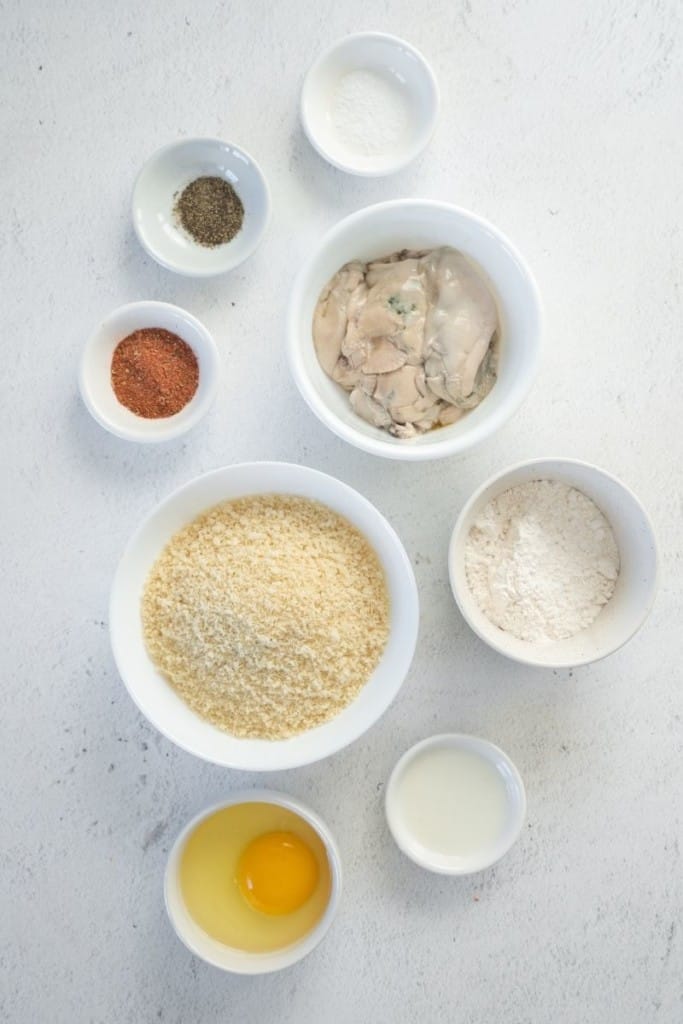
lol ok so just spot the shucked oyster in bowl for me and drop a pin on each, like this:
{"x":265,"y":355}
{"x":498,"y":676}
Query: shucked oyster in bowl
{"x":414,"y":329}
{"x":412,"y":337}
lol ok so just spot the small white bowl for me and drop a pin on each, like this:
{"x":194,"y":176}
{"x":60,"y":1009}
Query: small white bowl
{"x":476,"y":860}
{"x":395,"y":61}
{"x":419,"y":224}
{"x":94,"y":378}
{"x":157,"y":700}
{"x":624,"y":613}
{"x":163,"y":178}
{"x":239,"y":961}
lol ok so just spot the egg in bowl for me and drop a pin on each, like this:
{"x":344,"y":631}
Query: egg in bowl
{"x":252,"y":885}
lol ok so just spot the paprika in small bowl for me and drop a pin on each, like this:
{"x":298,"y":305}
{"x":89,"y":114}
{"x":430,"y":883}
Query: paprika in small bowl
{"x":149,"y":372}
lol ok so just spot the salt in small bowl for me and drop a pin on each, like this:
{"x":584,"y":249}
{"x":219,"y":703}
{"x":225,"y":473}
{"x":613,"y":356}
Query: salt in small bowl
{"x":397,"y":64}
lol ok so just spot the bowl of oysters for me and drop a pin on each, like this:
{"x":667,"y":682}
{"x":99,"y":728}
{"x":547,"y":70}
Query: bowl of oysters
{"x":414,"y":329}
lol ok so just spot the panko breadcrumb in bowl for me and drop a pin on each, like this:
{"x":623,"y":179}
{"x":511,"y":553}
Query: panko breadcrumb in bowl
{"x":376,"y":640}
{"x":267,"y":614}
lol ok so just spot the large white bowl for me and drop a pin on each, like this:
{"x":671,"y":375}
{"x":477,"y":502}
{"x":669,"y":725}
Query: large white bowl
{"x":420,"y":224}
{"x":239,"y":961}
{"x":156,"y":698}
{"x":629,"y":606}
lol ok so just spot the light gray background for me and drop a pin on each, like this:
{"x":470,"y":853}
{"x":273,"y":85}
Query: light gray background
{"x":562,"y":124}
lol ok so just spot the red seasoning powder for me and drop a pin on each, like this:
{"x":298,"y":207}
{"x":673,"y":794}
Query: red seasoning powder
{"x":154,"y":373}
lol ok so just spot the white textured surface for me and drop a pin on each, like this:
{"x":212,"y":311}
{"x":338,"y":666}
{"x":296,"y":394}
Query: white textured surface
{"x":560,"y":123}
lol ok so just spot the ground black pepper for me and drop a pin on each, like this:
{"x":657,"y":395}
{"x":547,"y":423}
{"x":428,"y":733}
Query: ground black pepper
{"x":210,"y":211}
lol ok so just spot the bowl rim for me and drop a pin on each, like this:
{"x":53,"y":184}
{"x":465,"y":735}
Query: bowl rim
{"x":286,"y":760}
{"x":377,"y":446}
{"x":273,"y":960}
{"x":457,"y":581}
{"x":426,"y":132}
{"x":177,"y":425}
{"x":226,"y":266}
{"x":493,"y":754}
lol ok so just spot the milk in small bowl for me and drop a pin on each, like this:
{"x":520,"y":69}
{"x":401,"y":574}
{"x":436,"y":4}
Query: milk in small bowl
{"x":455,"y":804}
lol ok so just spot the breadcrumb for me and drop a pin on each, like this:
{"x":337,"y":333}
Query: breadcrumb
{"x":267,"y":614}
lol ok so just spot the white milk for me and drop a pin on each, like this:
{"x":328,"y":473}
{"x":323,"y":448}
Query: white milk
{"x":452,"y":801}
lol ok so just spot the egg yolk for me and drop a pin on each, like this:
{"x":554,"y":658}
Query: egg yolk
{"x":277,"y":873}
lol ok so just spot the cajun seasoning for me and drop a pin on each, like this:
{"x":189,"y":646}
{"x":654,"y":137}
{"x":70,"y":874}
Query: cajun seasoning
{"x":154,"y":373}
{"x":210,"y":211}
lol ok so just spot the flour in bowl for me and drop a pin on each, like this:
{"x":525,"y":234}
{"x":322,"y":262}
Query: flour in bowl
{"x":541,"y":561}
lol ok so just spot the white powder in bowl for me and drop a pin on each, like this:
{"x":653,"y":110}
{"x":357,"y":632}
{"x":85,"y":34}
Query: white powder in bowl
{"x":369,"y":112}
{"x":541,"y":561}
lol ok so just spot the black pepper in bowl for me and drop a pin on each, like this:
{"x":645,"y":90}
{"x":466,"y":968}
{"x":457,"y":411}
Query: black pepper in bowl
{"x":210,"y":211}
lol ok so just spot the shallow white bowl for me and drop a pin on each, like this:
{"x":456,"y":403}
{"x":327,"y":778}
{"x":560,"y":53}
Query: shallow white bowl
{"x":94,"y":378}
{"x":396,"y":61}
{"x":421,"y":224}
{"x":156,"y":698}
{"x":636,"y":586}
{"x":480,"y":859}
{"x":166,"y":174}
{"x":239,"y":961}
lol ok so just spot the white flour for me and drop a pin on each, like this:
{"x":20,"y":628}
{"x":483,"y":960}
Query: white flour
{"x":541,"y":561}
{"x":369,"y":114}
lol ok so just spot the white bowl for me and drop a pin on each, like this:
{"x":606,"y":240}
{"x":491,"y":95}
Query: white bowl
{"x":239,"y":961}
{"x":156,"y":698}
{"x":397,"y":62}
{"x":636,"y":586}
{"x":94,"y":378}
{"x":421,"y":224}
{"x":476,"y":860}
{"x":166,"y":174}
